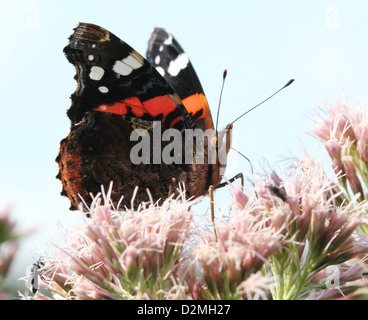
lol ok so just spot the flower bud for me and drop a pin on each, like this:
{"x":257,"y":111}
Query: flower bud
{"x":334,"y":149}
{"x":240,"y":198}
{"x":352,"y":176}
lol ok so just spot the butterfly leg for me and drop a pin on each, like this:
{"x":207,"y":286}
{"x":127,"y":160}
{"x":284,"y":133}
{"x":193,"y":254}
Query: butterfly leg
{"x":171,"y":186}
{"x":238,"y":176}
{"x":212,"y":205}
{"x":221,"y":185}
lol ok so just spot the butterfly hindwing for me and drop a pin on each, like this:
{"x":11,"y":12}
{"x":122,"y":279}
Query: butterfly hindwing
{"x":170,"y":60}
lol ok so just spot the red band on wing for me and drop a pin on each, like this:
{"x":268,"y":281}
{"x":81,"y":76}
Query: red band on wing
{"x":121,"y":107}
{"x":159,"y":105}
{"x":195,"y":103}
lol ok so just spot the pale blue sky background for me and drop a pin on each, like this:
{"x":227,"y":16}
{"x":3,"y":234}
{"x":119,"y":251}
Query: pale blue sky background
{"x":322,"y":44}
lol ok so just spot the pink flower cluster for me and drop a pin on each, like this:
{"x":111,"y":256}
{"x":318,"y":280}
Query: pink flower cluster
{"x":241,"y":250}
{"x":122,"y":255}
{"x":159,"y":252}
{"x":344,"y":132}
{"x":301,"y":205}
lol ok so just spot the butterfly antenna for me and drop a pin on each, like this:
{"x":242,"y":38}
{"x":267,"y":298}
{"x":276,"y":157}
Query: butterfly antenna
{"x":286,"y":85}
{"x":219,"y":105}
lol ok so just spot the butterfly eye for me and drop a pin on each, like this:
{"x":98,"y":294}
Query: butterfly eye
{"x":214,"y":141}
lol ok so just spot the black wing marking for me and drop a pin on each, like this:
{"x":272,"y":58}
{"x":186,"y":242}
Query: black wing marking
{"x":165,"y":54}
{"x":168,"y":57}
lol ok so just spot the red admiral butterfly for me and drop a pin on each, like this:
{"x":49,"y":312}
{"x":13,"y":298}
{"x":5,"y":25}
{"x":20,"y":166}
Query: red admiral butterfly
{"x":118,"y":92}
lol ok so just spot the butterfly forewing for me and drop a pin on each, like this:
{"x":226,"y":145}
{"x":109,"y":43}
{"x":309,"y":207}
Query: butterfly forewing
{"x":168,"y":57}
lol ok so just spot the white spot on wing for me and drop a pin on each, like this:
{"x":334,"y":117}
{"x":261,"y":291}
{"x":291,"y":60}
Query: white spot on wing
{"x":96,"y":73}
{"x":161,"y":71}
{"x":122,"y":68}
{"x":178,"y":64}
{"x":126,"y":66}
{"x":103,"y":89}
{"x":157,"y":59}
{"x":168,"y":41}
{"x":134,"y":60}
